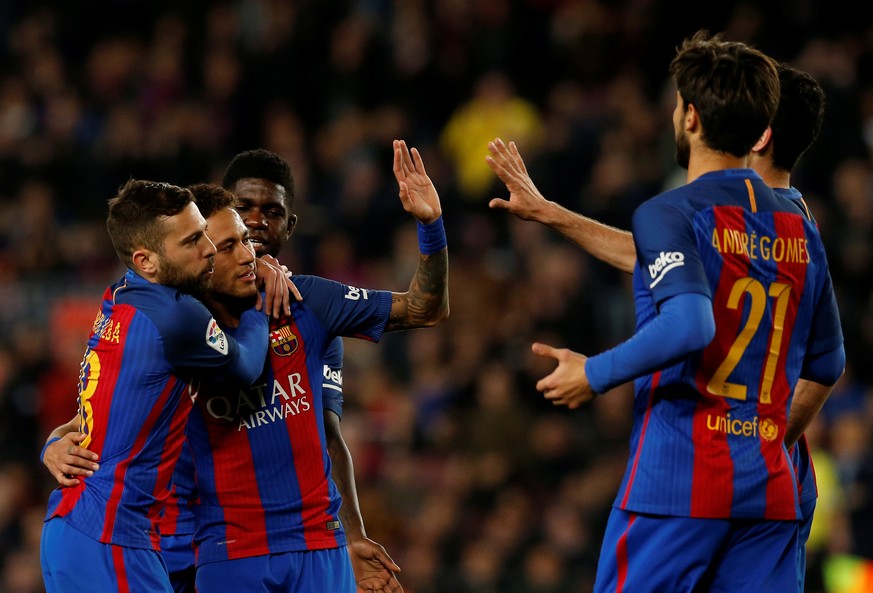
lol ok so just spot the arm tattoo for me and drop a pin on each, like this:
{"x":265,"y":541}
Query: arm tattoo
{"x":427,"y":300}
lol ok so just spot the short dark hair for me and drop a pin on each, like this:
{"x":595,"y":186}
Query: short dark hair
{"x":211,"y":198}
{"x":261,"y":164}
{"x":798,"y":119}
{"x":136,"y":213}
{"x":733,"y":86}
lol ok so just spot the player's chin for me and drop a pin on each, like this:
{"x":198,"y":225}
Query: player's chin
{"x":245,"y":290}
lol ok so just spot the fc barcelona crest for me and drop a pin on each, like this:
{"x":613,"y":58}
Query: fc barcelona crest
{"x":283,"y":341}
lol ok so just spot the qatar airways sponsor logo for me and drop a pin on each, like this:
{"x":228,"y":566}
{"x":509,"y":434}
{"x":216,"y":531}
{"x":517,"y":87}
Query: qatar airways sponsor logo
{"x":262,"y":404}
{"x":666,"y":261}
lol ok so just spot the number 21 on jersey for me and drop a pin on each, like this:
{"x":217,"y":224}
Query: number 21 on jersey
{"x":781,"y":292}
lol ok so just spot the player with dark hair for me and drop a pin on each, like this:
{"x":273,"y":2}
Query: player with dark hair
{"x":149,"y":343}
{"x":373,"y":567}
{"x":264,"y":187}
{"x":734,"y":305}
{"x":262,"y":182}
{"x":177,"y":525}
{"x":267,"y":507}
{"x":796,"y":125}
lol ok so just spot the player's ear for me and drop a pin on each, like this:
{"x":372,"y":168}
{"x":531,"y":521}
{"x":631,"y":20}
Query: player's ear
{"x":292,"y":224}
{"x":763,"y":141}
{"x":145,"y":262}
{"x":691,"y":119}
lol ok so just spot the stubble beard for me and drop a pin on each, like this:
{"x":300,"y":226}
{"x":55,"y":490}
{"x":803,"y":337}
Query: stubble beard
{"x":173,"y":275}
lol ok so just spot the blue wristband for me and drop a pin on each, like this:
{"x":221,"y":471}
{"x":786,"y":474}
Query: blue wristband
{"x":44,"y":447}
{"x":432,"y":237}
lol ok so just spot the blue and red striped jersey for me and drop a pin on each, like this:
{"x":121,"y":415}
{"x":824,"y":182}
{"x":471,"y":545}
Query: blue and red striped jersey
{"x":800,"y":455}
{"x":261,"y":461}
{"x":178,"y":516}
{"x":136,"y":388}
{"x":708,"y":431}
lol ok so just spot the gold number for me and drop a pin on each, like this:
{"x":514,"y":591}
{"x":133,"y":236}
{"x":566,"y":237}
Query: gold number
{"x":781,"y":292}
{"x":718,"y":384}
{"x":89,"y":373}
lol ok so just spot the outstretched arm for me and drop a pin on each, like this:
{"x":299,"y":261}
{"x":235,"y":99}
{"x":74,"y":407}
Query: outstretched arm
{"x":374,"y":569}
{"x":686,"y":318}
{"x":426,"y":303}
{"x":608,"y":244}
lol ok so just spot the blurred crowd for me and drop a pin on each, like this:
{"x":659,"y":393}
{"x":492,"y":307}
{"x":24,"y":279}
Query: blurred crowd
{"x":471,"y":481}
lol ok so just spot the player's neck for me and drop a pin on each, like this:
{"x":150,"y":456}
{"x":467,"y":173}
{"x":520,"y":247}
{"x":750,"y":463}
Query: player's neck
{"x":705,"y":160}
{"x":227,"y":310}
{"x":777,"y":178}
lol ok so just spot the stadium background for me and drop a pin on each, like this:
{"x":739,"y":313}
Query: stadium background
{"x":468,"y":478}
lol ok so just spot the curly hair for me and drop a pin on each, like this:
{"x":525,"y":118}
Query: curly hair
{"x":261,"y":164}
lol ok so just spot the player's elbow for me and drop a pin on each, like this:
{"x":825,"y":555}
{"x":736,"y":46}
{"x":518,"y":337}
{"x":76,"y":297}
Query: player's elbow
{"x":438,"y":315}
{"x":707,"y":331}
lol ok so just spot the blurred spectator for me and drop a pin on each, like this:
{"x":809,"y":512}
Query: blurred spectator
{"x":493,"y":110}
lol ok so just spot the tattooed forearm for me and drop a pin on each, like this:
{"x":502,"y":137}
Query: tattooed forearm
{"x":426,"y":303}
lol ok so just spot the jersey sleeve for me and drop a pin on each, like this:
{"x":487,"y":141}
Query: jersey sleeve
{"x":826,"y":332}
{"x":667,"y":251}
{"x":346,"y":310}
{"x":194,"y":343}
{"x":332,"y":379}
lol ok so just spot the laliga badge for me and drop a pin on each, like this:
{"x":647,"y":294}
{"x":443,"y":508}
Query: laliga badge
{"x":215,"y":338}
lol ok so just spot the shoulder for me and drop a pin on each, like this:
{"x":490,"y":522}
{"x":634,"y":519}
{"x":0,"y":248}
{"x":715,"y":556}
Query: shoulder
{"x":671,"y":203}
{"x":326,"y":288}
{"x":306,"y":283}
{"x":170,"y":310}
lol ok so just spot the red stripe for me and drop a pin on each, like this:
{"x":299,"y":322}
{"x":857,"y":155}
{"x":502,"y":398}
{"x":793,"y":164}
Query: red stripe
{"x":309,"y":463}
{"x":69,"y":498}
{"x":171,"y":514}
{"x":169,"y":456}
{"x":621,"y":557}
{"x":120,"y":570}
{"x":781,"y":490}
{"x":244,"y":520}
{"x":655,"y":380}
{"x":110,"y":356}
{"x":712,"y":486}
{"x":121,"y":468}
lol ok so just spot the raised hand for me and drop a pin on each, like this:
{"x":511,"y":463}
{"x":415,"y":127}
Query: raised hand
{"x":568,"y":384}
{"x":525,"y":200}
{"x":277,"y":286}
{"x":417,"y":192}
